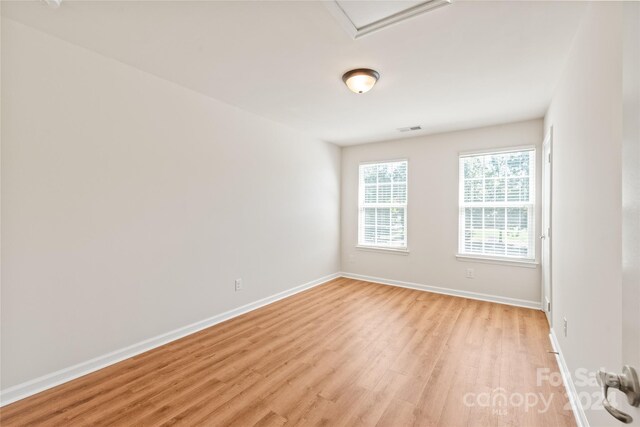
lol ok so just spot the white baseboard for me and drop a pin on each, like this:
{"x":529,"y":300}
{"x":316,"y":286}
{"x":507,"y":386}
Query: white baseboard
{"x":572,"y":393}
{"x":446,"y":291}
{"x":53,"y":379}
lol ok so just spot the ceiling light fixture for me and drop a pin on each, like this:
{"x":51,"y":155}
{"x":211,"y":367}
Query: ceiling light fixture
{"x":360,"y":80}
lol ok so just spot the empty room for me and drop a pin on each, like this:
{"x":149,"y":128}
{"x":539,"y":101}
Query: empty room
{"x":320,"y":212}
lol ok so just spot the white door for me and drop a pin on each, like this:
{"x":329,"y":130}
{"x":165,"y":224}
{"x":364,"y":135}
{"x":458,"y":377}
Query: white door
{"x":545,"y":234}
{"x":630,"y":319}
{"x":631,"y":203}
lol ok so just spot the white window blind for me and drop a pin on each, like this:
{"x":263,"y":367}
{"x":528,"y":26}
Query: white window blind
{"x":497,"y":199}
{"x":382,"y":213}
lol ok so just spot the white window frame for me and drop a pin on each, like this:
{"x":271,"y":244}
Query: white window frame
{"x":361,"y":205}
{"x":530,"y":260}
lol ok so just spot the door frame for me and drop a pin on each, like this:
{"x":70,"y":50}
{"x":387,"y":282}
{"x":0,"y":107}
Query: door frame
{"x":546,"y":228}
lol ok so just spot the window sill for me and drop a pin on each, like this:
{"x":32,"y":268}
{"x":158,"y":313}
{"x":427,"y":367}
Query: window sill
{"x":496,"y":260}
{"x":398,"y":251}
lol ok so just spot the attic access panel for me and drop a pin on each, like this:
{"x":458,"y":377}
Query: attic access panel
{"x":360,"y":18}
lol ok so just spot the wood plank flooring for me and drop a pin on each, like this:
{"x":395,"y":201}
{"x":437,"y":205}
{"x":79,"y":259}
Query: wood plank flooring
{"x":347,"y":353}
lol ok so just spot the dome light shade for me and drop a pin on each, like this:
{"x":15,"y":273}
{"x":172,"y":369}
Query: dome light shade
{"x":360,"y":80}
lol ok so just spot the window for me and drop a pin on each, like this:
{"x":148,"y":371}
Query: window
{"x":382,"y":213}
{"x":497,"y":204}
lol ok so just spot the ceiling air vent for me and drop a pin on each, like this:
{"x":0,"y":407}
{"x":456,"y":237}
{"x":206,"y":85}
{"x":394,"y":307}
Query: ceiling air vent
{"x":410,"y":128}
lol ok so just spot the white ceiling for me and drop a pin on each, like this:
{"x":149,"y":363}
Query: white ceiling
{"x":466,"y":65}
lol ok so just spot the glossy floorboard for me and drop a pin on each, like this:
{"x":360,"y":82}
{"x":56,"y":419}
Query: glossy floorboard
{"x":347,"y":353}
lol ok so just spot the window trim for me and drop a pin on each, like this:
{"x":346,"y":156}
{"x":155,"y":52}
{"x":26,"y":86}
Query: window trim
{"x":397,"y":251}
{"x":503,"y":150}
{"x":401,"y":250}
{"x":483,"y":259}
{"x":531,"y":262}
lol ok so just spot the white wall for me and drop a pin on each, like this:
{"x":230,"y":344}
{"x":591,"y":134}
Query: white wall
{"x":433,"y":213}
{"x":586,"y":115}
{"x":130,"y":205}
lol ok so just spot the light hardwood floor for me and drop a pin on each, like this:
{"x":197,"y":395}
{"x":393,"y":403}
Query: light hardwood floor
{"x":344,"y":353}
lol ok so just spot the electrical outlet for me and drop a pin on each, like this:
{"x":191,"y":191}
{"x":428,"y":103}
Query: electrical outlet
{"x":565,"y":326}
{"x":238,"y":285}
{"x":470,"y":273}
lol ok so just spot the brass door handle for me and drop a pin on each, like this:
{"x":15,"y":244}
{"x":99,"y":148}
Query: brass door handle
{"x":627,"y":382}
